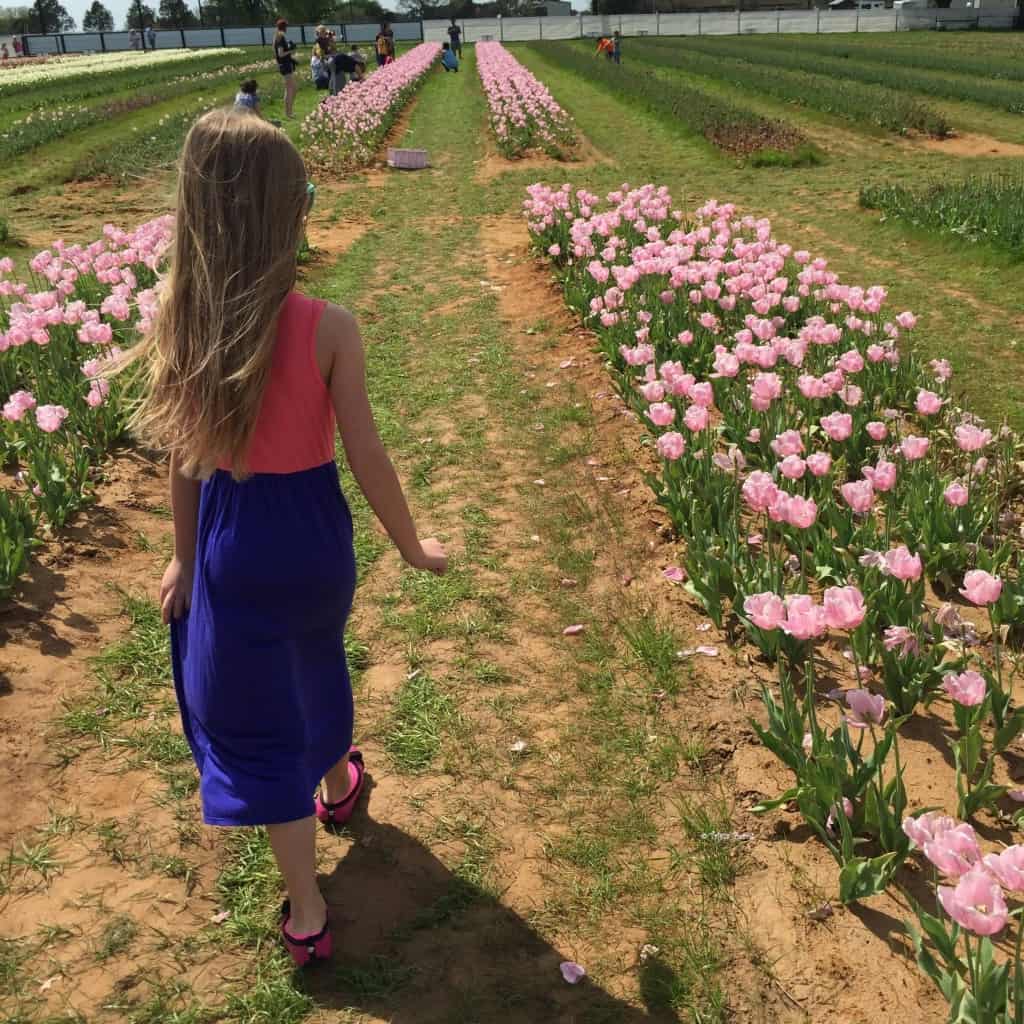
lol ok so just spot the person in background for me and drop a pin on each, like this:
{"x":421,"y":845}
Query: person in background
{"x":133,"y":40}
{"x":455,"y":37}
{"x":248,"y":97}
{"x":320,"y":62}
{"x":604,"y":45}
{"x":17,"y":46}
{"x":617,"y":47}
{"x":4,"y":53}
{"x":359,"y":72}
{"x":384,"y":44}
{"x":246,"y":383}
{"x":284,"y":48}
{"x":150,"y":37}
{"x":343,"y":64}
{"x":448,"y":59}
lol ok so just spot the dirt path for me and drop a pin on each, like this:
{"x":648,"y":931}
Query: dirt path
{"x":535,"y":797}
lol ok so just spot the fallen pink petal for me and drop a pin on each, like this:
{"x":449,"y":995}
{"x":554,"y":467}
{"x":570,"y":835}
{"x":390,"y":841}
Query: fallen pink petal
{"x":572,"y":972}
{"x":674,"y":574}
{"x":573,"y":630}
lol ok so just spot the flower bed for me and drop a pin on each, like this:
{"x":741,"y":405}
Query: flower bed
{"x":524,"y":115}
{"x":25,"y":76}
{"x":345,"y":130}
{"x":821,"y":478}
{"x":59,"y":326}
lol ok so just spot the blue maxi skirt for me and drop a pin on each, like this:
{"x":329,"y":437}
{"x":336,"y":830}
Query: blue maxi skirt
{"x":259,"y":659}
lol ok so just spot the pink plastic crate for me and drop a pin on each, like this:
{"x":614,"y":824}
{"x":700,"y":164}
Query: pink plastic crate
{"x":407,"y":159}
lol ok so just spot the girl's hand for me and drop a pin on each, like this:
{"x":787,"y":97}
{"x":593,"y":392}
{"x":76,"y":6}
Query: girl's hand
{"x":430,"y":557}
{"x":175,"y":590}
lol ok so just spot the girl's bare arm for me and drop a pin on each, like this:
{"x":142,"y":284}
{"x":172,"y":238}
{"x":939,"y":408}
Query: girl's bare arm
{"x":176,"y":585}
{"x":341,"y":358}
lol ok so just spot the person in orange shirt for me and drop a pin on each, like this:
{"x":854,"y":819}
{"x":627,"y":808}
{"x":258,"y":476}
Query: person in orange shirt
{"x":604,"y":45}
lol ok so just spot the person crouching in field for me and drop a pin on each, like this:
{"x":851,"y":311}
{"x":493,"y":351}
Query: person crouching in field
{"x":248,"y":96}
{"x":245,"y":380}
{"x":448,"y":59}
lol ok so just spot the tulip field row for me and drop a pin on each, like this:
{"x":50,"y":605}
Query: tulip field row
{"x":345,"y":130}
{"x":826,"y":486}
{"x":523,"y":114}
{"x":989,"y":209}
{"x":61,"y":324}
{"x":791,"y":79}
{"x":731,"y":129}
{"x":864,"y":66}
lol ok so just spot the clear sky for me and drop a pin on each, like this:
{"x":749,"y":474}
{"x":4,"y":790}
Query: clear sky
{"x":119,"y":8}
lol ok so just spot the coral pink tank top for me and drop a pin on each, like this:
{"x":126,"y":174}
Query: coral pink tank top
{"x":295,"y":427}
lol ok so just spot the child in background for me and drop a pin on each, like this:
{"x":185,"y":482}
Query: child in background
{"x":247,"y":97}
{"x":245,"y":380}
{"x":448,"y":59}
{"x":617,"y":47}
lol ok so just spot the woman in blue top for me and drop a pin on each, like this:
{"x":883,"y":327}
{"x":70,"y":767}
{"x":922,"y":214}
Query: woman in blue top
{"x":448,"y":59}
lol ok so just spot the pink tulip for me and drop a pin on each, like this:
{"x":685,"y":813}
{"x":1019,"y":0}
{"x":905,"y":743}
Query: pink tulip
{"x":759,"y":491}
{"x":866,"y":709}
{"x":792,"y":467}
{"x":696,"y":418}
{"x":17,"y":405}
{"x":877,"y":431}
{"x":765,"y":610}
{"x":572,"y":972}
{"x":1008,"y":867}
{"x":819,"y":463}
{"x":801,"y":512}
{"x":906,"y":320}
{"x":661,"y":414}
{"x":955,"y":494}
{"x":941,"y":368}
{"x":671,"y":445}
{"x":851,"y":362}
{"x":703,"y":394}
{"x":851,"y":395}
{"x":789,"y":442}
{"x":876,"y":353}
{"x":928,"y":403}
{"x":899,"y":562}
{"x":882,"y":477}
{"x":925,"y":828}
{"x":914,"y":448}
{"x":50,"y":417}
{"x":901,"y":637}
{"x":844,"y":607}
{"x":754,"y":436}
{"x":652,"y":391}
{"x":859,"y":495}
{"x":838,"y":425}
{"x":804,"y":619}
{"x":953,"y":851}
{"x":968,"y":688}
{"x":970,"y":438}
{"x":976,"y":903}
{"x":981,"y":588}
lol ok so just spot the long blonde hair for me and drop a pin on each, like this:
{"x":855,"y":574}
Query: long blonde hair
{"x":241,"y":205}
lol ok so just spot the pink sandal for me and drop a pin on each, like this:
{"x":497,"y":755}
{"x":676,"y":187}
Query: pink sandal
{"x":333,"y":815}
{"x":304,"y":949}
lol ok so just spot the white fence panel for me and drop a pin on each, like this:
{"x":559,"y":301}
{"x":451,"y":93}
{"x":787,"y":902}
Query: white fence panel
{"x":839,"y":21}
{"x":481,"y":30}
{"x":87,"y":42}
{"x":243,"y":37}
{"x":560,"y":27}
{"x":636,"y":24}
{"x":436,"y":31}
{"x":596,"y":25}
{"x":718,"y":24}
{"x":877,"y":21}
{"x":518,"y":30}
{"x":680,"y":24}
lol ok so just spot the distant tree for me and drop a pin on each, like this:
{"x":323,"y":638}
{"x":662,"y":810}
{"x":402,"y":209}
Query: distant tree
{"x":139,"y":16}
{"x":51,"y":16}
{"x":15,"y":20}
{"x":305,"y":12}
{"x":97,"y":19}
{"x":176,"y":14}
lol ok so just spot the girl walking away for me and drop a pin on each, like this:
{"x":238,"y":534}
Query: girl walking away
{"x":384,"y":45}
{"x":245,"y":380}
{"x":284,"y":49}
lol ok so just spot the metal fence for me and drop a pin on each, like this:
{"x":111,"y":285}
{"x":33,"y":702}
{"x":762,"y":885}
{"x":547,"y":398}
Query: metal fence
{"x":577,"y":26}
